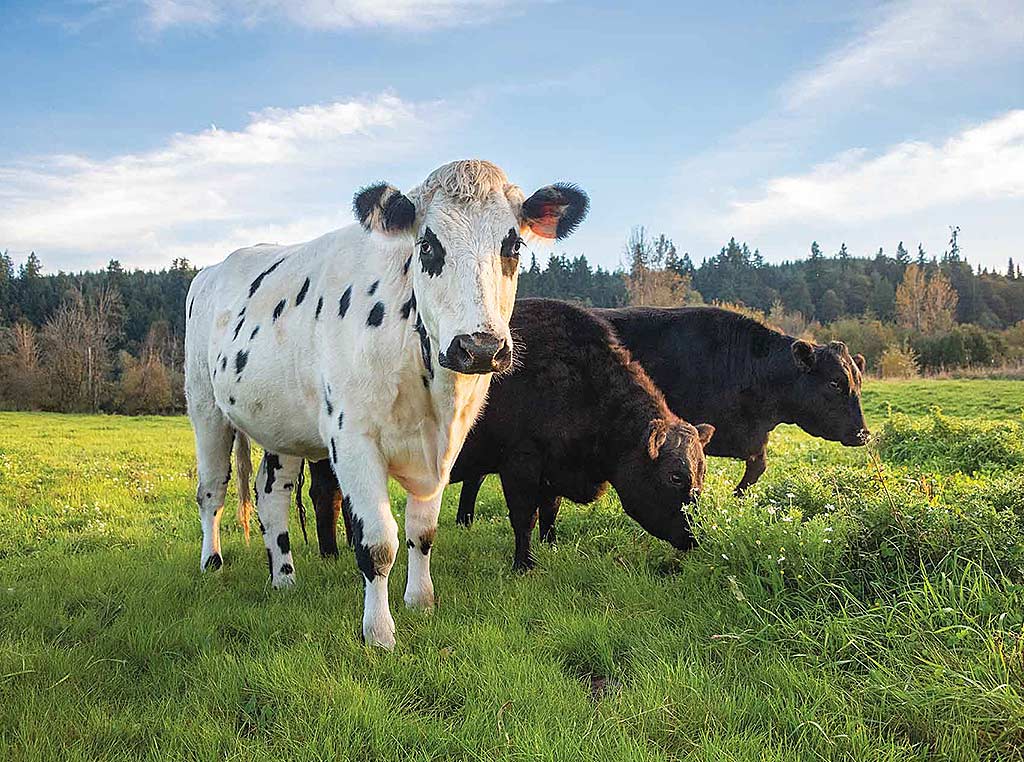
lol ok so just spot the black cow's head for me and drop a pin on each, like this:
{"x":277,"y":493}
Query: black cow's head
{"x":661,"y":474}
{"x":826,"y":400}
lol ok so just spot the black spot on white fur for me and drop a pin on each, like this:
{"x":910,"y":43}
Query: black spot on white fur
{"x":301,"y":296}
{"x":334,"y":452}
{"x":344,"y":302}
{"x":373,"y":288}
{"x":214,"y":562}
{"x":376,"y":316}
{"x":284,"y":543}
{"x":240,"y":360}
{"x":254,"y":332}
{"x":341,"y":420}
{"x":428,"y":362}
{"x":279,"y":309}
{"x":432,"y":253}
{"x":319,"y":306}
{"x":259,"y":278}
{"x":273,"y":464}
{"x":238,"y":328}
{"x":408,"y":306}
{"x":286,"y":569}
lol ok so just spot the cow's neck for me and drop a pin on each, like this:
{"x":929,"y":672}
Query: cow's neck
{"x":456,"y":400}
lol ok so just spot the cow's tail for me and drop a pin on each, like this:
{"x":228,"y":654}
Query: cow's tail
{"x":243,"y":466}
{"x":299,"y":482}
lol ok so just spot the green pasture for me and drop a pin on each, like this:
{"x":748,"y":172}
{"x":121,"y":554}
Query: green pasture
{"x":858,"y":604}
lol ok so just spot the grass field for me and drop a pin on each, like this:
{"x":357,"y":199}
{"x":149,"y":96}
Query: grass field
{"x":856,"y":605}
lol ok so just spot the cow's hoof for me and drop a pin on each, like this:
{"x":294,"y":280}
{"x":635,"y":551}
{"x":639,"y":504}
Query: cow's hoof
{"x":284,"y":581}
{"x":212,"y":563}
{"x":380,"y":633}
{"x":420,"y":600}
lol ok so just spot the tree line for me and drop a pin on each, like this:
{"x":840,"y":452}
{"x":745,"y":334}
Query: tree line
{"x":111,"y":339}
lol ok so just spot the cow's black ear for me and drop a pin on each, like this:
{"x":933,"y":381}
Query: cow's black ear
{"x":803,"y":353}
{"x":858,"y":360}
{"x":384,"y":209}
{"x":555,"y":211}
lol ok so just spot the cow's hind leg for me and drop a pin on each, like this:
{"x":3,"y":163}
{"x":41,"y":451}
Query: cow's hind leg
{"x":275,"y":483}
{"x":420,"y":528}
{"x":214,"y":436}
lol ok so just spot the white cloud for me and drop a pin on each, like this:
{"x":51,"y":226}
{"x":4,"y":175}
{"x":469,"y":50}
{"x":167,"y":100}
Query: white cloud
{"x":912,"y":38}
{"x":287,"y":175}
{"x":985,"y":162}
{"x":323,"y":14}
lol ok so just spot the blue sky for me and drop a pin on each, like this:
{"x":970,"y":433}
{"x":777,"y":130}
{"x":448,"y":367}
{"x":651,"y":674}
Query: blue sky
{"x":150,"y":129}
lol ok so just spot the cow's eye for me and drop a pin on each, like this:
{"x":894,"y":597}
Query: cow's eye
{"x":425,"y":247}
{"x":834,"y":386}
{"x":516,"y":247}
{"x":677,"y":478}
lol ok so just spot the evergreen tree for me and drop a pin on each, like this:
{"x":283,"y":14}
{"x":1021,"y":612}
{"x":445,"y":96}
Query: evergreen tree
{"x":921,"y":256}
{"x":1010,"y":269}
{"x":902,"y":256}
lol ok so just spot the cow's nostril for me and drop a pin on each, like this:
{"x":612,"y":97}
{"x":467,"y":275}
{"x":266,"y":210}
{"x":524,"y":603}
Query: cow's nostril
{"x":503,"y":356}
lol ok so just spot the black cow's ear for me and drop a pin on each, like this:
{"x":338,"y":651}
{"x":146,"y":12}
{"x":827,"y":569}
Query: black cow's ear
{"x":384,"y":209}
{"x":803,"y":353}
{"x":858,"y":360}
{"x":555,"y":211}
{"x":705,"y":431}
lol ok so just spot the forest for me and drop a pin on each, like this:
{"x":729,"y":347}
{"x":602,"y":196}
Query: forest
{"x":111,"y":339}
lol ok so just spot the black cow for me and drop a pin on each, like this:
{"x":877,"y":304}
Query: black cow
{"x":576,"y":413}
{"x":718,"y":366}
{"x":729,"y":370}
{"x":742,"y":377}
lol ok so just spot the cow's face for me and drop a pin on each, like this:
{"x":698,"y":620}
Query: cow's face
{"x":467,"y":224}
{"x":827,"y":396}
{"x":661,"y":474}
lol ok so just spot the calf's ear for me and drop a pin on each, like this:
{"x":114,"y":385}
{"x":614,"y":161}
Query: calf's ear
{"x":803,"y":354}
{"x":382,"y":208}
{"x":705,"y":431}
{"x":555,"y":211}
{"x":858,"y":360}
{"x":657,"y":433}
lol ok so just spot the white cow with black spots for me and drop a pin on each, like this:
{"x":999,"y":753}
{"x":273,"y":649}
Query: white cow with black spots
{"x":377,"y":341}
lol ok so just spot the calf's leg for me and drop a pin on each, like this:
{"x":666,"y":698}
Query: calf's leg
{"x":548,"y":510}
{"x":420,"y":528}
{"x":363,"y":479}
{"x":275,"y":483}
{"x":467,"y":499}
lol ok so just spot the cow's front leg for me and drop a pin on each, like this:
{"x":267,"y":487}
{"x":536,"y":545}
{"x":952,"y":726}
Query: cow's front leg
{"x":275,"y":484}
{"x":756,"y":465}
{"x":420,"y":528}
{"x":362,"y":476}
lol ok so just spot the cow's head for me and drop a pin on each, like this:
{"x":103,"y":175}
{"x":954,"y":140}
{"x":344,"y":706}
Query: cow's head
{"x":826,"y":399}
{"x":661,"y":474}
{"x":465,"y":225}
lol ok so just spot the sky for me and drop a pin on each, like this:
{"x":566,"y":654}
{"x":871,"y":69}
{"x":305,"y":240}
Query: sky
{"x":145,"y":130}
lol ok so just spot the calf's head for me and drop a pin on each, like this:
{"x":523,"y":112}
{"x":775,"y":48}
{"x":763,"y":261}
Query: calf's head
{"x":661,"y":474}
{"x":826,"y":397}
{"x":465,"y":225}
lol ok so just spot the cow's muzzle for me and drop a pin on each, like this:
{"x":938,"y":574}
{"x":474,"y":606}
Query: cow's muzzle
{"x":856,"y":439}
{"x":476,"y":353}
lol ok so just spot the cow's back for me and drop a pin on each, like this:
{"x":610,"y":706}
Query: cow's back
{"x":713,"y":366}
